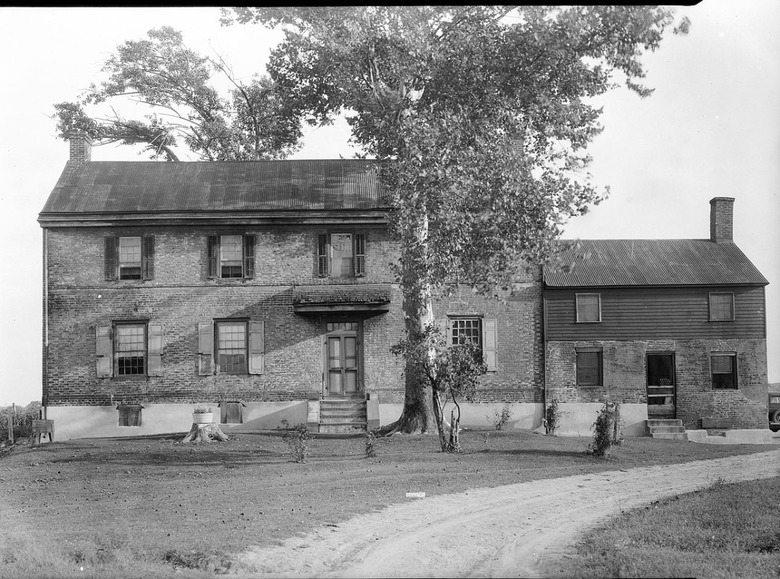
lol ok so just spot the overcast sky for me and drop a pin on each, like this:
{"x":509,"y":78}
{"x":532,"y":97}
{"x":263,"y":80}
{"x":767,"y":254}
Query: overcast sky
{"x":712,"y":128}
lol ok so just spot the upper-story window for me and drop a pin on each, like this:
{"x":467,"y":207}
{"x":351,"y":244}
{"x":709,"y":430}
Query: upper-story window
{"x":341,"y":255}
{"x":231,"y":256}
{"x":588,"y":308}
{"x":721,"y":307}
{"x":129,"y":257}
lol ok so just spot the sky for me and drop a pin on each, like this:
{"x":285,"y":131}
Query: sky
{"x":711,"y":129}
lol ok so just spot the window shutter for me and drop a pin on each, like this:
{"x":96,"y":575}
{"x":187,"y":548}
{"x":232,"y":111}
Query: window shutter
{"x":104,"y":350}
{"x":256,"y":347}
{"x":489,"y":344}
{"x":360,"y":254}
{"x":155,"y":349}
{"x":111,"y":258}
{"x":147,"y":257}
{"x":249,"y":256}
{"x":213,"y":256}
{"x":322,"y":256}
{"x":205,"y":348}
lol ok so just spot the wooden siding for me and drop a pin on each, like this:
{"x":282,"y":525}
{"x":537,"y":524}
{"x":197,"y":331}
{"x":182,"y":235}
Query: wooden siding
{"x":652,"y":313}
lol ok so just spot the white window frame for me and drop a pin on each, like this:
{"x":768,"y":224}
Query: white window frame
{"x":577,"y":297}
{"x":712,"y":311}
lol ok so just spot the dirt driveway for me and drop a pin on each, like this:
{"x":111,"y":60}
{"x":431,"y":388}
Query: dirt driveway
{"x":509,"y":531}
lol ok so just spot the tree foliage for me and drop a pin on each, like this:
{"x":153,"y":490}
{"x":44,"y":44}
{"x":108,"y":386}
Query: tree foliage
{"x":176,"y":85}
{"x":485,"y":113}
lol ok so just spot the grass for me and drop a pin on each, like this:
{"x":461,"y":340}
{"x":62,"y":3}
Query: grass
{"x":150,"y":506}
{"x":726,"y":530}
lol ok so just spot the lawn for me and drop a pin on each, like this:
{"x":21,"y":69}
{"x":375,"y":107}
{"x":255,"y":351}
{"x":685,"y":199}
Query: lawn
{"x":727,"y":530}
{"x":136,"y":507}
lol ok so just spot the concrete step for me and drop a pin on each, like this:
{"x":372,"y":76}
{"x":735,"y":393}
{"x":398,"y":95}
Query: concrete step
{"x":664,"y":422}
{"x":670,"y":435}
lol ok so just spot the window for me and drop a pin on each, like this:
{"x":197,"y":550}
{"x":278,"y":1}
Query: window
{"x":724,"y":371}
{"x":341,"y":255}
{"x":129,"y":414}
{"x":231,"y":412}
{"x":231,"y":256}
{"x":482,"y":332}
{"x":129,"y":257}
{"x":588,"y":308}
{"x":721,"y":307}
{"x":129,"y":349}
{"x":589,"y":367}
{"x":231,"y":347}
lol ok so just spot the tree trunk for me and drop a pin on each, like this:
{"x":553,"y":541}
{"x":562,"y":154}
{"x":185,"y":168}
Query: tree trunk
{"x":205,"y":433}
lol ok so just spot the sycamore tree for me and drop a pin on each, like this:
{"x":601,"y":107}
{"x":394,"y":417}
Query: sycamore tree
{"x":176,"y":90}
{"x":480,"y":117}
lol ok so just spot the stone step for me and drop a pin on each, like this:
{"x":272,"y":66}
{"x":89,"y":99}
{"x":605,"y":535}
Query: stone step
{"x":342,"y":427}
{"x":670,"y":435}
{"x":664,"y":422}
{"x":667,"y":429}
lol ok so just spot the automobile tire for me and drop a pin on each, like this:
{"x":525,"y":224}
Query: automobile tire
{"x":776,"y":416}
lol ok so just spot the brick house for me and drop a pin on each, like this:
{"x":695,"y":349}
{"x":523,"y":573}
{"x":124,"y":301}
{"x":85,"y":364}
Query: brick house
{"x":262,"y":289}
{"x":670,"y":328}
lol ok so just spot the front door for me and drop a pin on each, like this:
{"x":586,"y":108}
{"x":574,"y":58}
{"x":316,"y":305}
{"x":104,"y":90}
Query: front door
{"x":342,"y":359}
{"x":660,"y":386}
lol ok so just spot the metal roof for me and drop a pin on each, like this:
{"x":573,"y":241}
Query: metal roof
{"x":652,"y":262}
{"x":152,"y":186}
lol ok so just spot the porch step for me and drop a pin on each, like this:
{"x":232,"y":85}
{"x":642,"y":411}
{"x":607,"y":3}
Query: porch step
{"x":666,"y":428}
{"x":343,"y":416}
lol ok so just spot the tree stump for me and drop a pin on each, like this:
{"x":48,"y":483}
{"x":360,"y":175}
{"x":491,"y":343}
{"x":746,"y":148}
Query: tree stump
{"x":205,"y":433}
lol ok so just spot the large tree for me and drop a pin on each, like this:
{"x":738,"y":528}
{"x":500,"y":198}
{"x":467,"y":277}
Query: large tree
{"x":175,"y":85}
{"x":483,"y":114}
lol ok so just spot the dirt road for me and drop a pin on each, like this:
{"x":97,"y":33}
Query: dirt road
{"x":509,"y":531}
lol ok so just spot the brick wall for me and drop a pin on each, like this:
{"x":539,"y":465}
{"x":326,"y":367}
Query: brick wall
{"x":625,"y":377}
{"x":180,"y":296}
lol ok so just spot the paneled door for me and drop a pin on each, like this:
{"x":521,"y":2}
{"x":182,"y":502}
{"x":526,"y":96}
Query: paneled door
{"x":342,"y":359}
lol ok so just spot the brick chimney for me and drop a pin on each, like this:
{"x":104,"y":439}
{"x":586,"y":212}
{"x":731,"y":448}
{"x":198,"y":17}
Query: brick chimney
{"x":80,"y":147}
{"x":722,"y":219}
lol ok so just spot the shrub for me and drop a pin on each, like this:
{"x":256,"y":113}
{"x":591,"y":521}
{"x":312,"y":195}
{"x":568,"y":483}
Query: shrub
{"x":21,"y":418}
{"x":370,"y":445}
{"x":605,"y":429}
{"x":500,"y":419}
{"x":552,"y":418}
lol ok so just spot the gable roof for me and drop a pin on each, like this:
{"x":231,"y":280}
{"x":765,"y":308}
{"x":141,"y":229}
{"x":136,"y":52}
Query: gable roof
{"x":653,"y":262}
{"x":119,"y":187}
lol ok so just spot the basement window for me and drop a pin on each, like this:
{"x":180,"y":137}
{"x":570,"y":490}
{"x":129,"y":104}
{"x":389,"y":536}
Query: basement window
{"x":129,"y":414}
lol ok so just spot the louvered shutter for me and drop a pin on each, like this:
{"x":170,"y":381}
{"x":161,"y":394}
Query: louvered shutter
{"x":213,"y":256}
{"x":249,"y":256}
{"x":111,"y":258}
{"x":489,"y":344}
{"x":360,"y":254}
{"x":147,"y":257}
{"x":256,"y":347}
{"x":322,"y":256}
{"x":104,"y":352}
{"x":205,"y":348}
{"x":155,"y":350}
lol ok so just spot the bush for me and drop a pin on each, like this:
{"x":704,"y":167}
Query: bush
{"x":500,"y":419}
{"x":606,"y":429}
{"x":370,"y":445}
{"x":552,"y":418}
